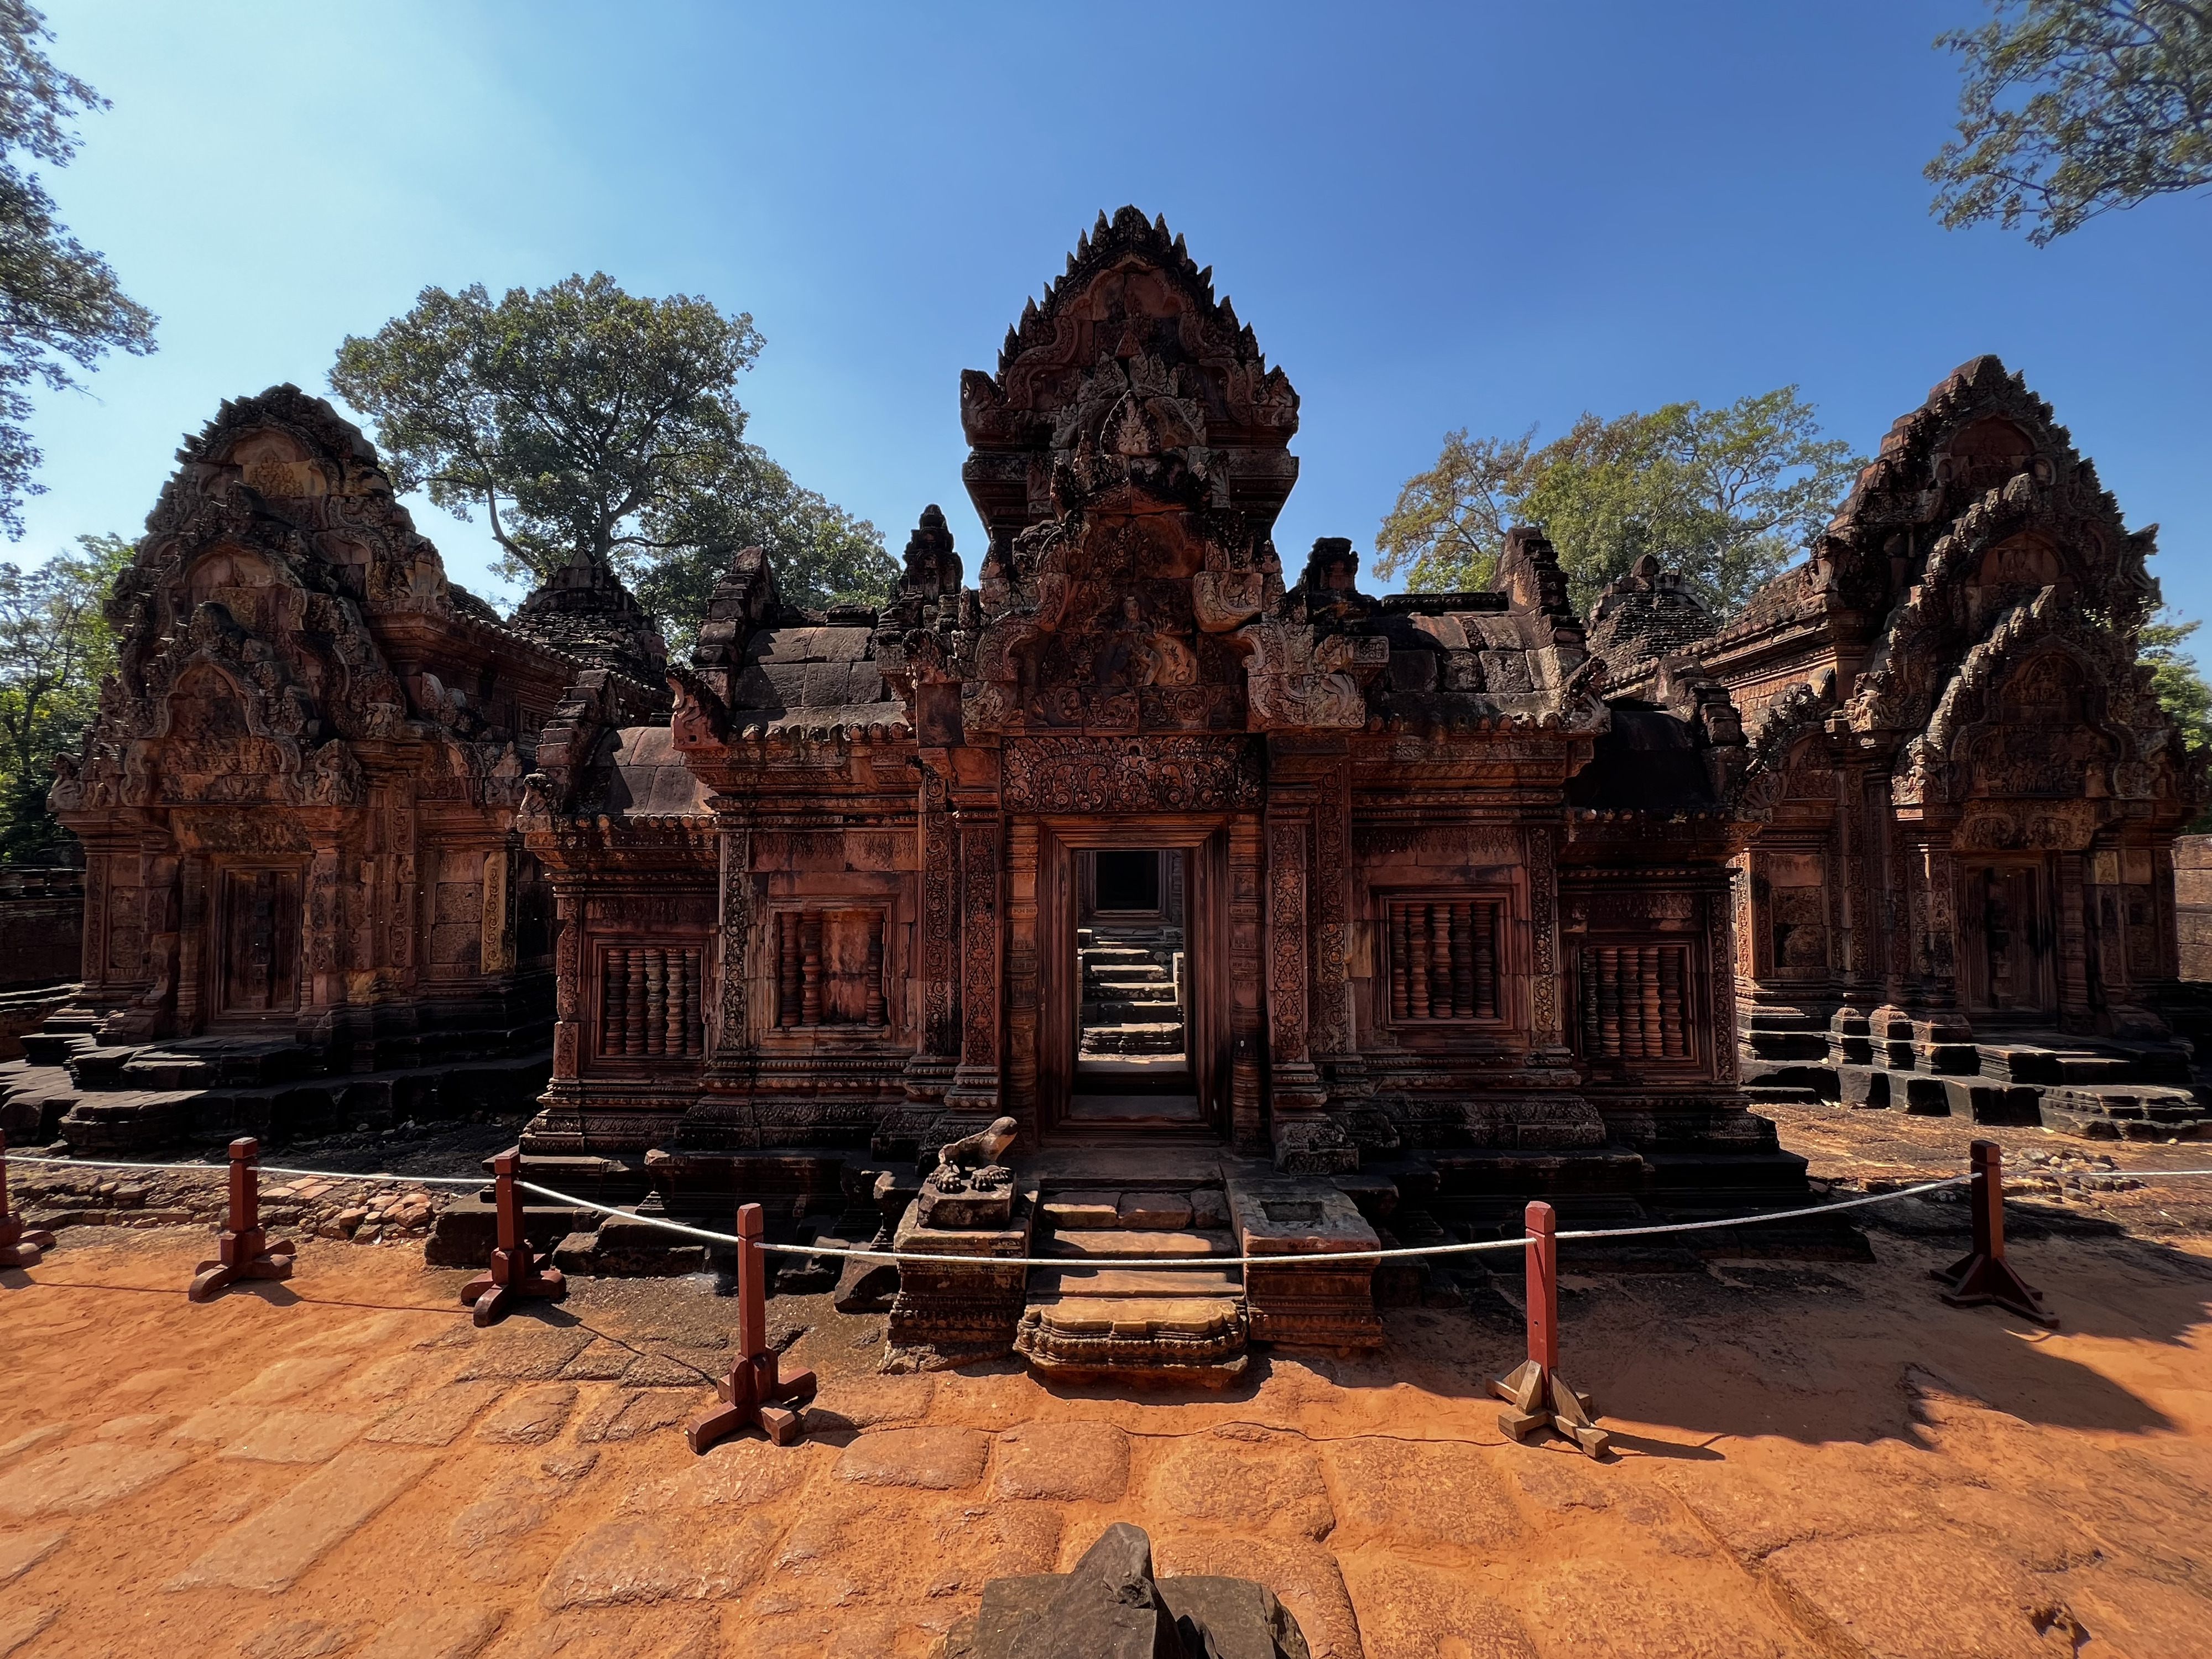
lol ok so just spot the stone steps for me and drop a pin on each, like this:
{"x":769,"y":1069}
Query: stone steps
{"x":1090,"y":1319}
{"x":1135,"y":1037}
{"x":1083,"y":1245}
{"x":1052,"y":1283}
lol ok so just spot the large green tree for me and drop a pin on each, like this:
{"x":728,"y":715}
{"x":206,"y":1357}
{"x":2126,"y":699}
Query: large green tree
{"x":582,"y":420}
{"x":61,"y":308}
{"x":1728,"y":496}
{"x":2178,"y":684}
{"x":823,"y":554}
{"x":55,"y":650}
{"x":2072,"y":108}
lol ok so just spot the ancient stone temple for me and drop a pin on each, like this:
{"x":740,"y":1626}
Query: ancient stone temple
{"x":1960,"y":893}
{"x":1430,"y":927}
{"x":297,"y":809}
{"x":1195,"y":904}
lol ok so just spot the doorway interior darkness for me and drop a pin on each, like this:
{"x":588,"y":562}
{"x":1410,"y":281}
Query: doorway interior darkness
{"x":1133,"y":1018}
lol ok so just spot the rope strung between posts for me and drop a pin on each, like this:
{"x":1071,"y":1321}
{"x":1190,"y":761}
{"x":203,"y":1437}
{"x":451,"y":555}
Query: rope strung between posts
{"x":862,"y":1253}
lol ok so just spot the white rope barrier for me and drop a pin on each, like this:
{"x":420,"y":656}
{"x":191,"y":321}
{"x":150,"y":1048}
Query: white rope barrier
{"x":861,"y":1253}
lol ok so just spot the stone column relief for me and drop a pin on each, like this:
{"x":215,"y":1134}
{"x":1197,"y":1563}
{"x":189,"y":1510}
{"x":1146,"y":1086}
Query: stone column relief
{"x":1547,"y":1035}
{"x":940,"y":926}
{"x":568,"y":994}
{"x":1307,"y":1140}
{"x":1287,"y":942}
{"x":1332,"y":1033}
{"x":976,"y":1086}
{"x":732,"y":1033}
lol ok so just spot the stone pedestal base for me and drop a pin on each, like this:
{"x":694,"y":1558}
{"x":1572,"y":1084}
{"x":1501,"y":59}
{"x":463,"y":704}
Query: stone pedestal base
{"x":948,"y":1315}
{"x":1326,"y":1304}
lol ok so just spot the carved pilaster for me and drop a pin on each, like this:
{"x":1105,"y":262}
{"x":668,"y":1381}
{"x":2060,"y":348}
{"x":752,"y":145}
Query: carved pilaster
{"x":1720,"y":918}
{"x":1307,"y":1140}
{"x":93,"y":959}
{"x":1546,"y":1032}
{"x":1332,"y":1027}
{"x":733,"y":1028}
{"x":975,"y":1084}
{"x":940,"y":923}
{"x":1019,"y":1095}
{"x":2075,"y":1011}
{"x":1287,"y":942}
{"x":568,"y":984}
{"x":1247,"y":984}
{"x":193,"y":919}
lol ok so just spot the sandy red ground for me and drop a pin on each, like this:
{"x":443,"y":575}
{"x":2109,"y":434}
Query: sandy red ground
{"x":1817,"y":1459}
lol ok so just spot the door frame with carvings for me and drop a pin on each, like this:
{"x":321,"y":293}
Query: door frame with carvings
{"x":1203,"y":839}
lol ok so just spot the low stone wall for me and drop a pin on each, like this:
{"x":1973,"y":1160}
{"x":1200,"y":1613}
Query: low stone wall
{"x":42,"y":925}
{"x":2192,"y":905}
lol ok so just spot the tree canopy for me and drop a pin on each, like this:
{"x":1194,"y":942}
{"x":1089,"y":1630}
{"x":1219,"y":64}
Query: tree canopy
{"x":2072,"y":108}
{"x":1726,"y":495}
{"x":2178,"y":684}
{"x":582,"y":419}
{"x":61,"y":307}
{"x":55,"y":650}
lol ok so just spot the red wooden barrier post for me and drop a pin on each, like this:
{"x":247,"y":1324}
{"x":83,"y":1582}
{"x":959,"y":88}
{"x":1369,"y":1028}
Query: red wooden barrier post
{"x":20,"y":1246}
{"x":242,"y":1248}
{"x":1538,"y":1399}
{"x":753,"y":1397}
{"x":517,"y":1271}
{"x":1983,"y":1275}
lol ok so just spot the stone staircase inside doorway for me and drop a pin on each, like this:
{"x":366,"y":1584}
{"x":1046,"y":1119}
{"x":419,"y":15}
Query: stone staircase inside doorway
{"x":1089,"y":1319}
{"x":1131,"y":1003}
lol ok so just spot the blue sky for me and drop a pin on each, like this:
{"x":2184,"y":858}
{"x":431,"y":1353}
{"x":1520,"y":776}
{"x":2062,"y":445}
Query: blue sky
{"x":1434,"y":216}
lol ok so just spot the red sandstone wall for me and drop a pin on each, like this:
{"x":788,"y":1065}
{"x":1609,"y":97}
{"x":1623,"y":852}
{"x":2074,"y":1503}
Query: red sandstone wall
{"x":2192,"y":904}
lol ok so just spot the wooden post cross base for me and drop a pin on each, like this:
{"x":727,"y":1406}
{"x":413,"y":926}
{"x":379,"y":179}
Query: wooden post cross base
{"x":753,"y":1395}
{"x":1538,"y":1397}
{"x":242,"y":1248}
{"x":19,"y":1246}
{"x":1983,"y":1275}
{"x":517,"y":1271}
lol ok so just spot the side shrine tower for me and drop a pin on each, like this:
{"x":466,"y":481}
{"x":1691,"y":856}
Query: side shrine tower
{"x":1959,"y":898}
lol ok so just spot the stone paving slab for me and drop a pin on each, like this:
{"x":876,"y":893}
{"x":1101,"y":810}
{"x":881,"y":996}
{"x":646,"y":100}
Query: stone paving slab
{"x":936,"y":1459}
{"x":82,"y":1478}
{"x":20,"y":1626}
{"x":21,"y":1551}
{"x":270,"y":1551}
{"x":1086,"y":1462}
{"x":296,"y":1437}
{"x":530,"y":1418}
{"x":438,"y":1418}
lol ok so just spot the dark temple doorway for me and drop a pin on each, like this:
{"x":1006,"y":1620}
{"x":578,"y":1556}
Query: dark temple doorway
{"x":1133,"y":1049}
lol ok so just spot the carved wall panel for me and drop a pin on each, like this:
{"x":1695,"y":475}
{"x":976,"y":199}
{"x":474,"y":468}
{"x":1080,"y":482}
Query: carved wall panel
{"x":830,"y":967}
{"x":1160,"y":774}
{"x":1444,"y":959}
{"x":650,"y":1002}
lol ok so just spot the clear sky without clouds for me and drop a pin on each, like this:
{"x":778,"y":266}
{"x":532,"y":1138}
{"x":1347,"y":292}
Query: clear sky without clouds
{"x":1434,"y":216}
